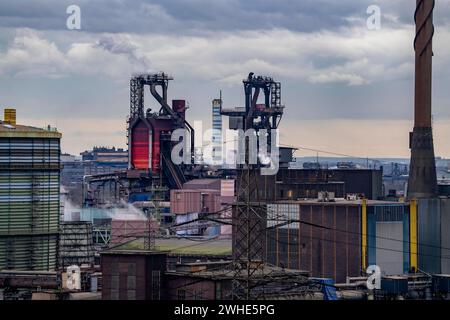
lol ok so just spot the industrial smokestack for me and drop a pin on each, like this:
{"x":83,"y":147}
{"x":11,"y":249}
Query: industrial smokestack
{"x":422,"y":174}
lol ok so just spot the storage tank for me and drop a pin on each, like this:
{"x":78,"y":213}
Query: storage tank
{"x":29,"y":196}
{"x":73,"y":278}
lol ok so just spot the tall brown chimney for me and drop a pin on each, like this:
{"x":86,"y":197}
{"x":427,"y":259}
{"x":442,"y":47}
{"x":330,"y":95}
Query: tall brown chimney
{"x":422,"y":173}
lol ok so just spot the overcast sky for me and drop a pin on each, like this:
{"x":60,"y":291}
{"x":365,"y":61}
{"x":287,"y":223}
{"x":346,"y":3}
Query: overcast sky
{"x":346,"y":88}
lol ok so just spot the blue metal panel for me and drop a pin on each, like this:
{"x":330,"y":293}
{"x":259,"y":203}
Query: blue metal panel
{"x":328,"y":288}
{"x":406,"y":253}
{"x":394,"y":285}
{"x":134,"y":197}
{"x":445,"y":236}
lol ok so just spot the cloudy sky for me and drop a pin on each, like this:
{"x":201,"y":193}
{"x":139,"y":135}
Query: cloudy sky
{"x":346,"y":88}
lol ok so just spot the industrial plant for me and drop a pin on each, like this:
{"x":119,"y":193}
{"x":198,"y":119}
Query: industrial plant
{"x":136,"y":224}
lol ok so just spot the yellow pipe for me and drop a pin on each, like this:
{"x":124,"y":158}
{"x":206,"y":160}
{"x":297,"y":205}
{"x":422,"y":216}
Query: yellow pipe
{"x":413,"y":233}
{"x":364,"y":234}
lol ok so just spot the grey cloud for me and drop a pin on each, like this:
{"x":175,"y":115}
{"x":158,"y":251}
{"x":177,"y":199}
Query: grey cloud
{"x":206,"y":16}
{"x":188,"y":17}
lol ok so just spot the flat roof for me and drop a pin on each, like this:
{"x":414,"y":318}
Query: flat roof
{"x":131,"y":252}
{"x":339,"y":202}
{"x":182,"y":246}
{"x":22,"y":131}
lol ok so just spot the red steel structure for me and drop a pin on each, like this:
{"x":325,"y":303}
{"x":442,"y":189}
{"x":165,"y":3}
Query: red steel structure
{"x":140,"y":146}
{"x":149,"y":133}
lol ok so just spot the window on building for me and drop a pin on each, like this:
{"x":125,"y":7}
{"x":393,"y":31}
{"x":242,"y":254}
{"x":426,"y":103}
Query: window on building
{"x":218,"y":291}
{"x":181,"y":294}
{"x":198,"y":295}
{"x":156,"y":284}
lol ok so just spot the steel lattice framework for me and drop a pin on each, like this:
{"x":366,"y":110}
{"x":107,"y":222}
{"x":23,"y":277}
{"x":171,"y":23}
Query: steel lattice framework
{"x":249,"y":214}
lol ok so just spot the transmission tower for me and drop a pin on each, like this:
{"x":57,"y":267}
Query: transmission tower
{"x":154,"y":218}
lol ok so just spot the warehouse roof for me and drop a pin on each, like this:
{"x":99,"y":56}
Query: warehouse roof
{"x":203,"y":184}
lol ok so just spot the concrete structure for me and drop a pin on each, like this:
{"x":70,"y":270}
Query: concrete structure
{"x":29,"y":196}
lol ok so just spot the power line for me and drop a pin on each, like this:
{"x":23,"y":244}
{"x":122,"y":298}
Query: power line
{"x":358,"y":245}
{"x":317,"y":226}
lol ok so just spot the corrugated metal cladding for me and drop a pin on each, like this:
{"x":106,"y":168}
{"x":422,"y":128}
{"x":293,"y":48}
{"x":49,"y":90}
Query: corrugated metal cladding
{"x":29,"y":202}
{"x":326,"y":242}
{"x":433,"y":235}
{"x":194,"y":201}
{"x":132,"y":276}
{"x":227,"y":188}
{"x":445,"y":236}
{"x":388,"y":238}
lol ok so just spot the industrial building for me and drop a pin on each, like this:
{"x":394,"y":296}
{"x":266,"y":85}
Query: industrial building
{"x":144,"y":275}
{"x":433,"y":220}
{"x":150,"y":168}
{"x":197,"y":231}
{"x":133,"y":275}
{"x":203,"y":198}
{"x":102,"y":160}
{"x":296,"y":184}
{"x":99,"y":160}
{"x":29,"y":195}
{"x":340,"y":239}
